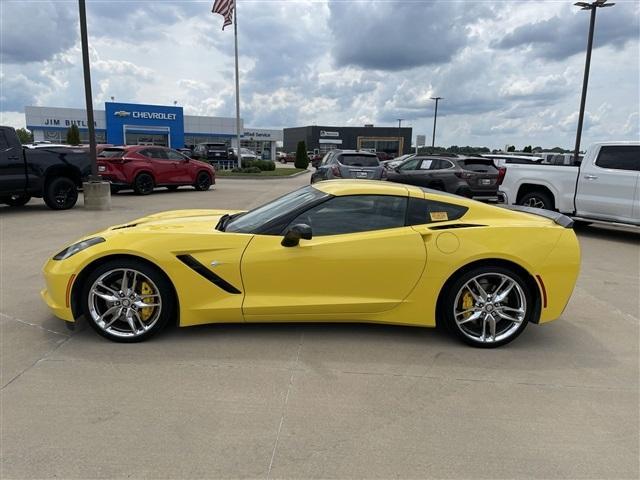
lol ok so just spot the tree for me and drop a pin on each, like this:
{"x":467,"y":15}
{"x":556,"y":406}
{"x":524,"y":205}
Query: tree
{"x":73,"y":135}
{"x":511,"y":148}
{"x":24,"y":135}
{"x":527,"y":149}
{"x":302,"y":159}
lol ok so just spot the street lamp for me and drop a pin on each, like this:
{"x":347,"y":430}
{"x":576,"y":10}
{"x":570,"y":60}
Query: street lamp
{"x":593,"y":6}
{"x":435,"y":119}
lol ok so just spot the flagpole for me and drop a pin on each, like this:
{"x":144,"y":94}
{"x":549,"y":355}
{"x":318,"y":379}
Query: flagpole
{"x":235,"y":34}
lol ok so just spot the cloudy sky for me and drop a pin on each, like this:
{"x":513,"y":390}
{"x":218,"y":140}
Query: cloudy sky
{"x":509,"y":72}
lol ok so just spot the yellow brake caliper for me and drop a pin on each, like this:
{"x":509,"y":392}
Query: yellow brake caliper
{"x":467,"y":304}
{"x":145,"y":289}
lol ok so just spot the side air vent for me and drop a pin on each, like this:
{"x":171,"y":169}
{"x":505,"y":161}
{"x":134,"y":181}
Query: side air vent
{"x":199,"y":268}
{"x":455,"y":225}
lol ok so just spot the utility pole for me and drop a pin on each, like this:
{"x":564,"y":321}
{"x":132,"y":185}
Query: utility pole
{"x":400,"y":149}
{"x":583,"y":100}
{"x":435,"y":119}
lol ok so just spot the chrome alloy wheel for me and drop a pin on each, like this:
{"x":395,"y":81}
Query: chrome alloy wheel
{"x":490,"y":307}
{"x":124,"y":303}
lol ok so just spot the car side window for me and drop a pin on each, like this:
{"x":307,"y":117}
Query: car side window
{"x":4,"y":144}
{"x":156,"y":154}
{"x":171,"y":155}
{"x":410,"y":165}
{"x":355,"y":213}
{"x":421,"y":211}
{"x":441,"y":164}
{"x":620,"y":157}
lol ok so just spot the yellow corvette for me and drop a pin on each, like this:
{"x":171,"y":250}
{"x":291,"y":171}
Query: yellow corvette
{"x":336,"y":251}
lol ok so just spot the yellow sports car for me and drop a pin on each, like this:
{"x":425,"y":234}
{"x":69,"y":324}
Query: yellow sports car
{"x":336,"y":251}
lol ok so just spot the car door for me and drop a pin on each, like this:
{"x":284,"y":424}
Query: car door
{"x":12,"y":168}
{"x":607,"y":186}
{"x":439,"y":174}
{"x":161,"y":167}
{"x":407,"y":172}
{"x":182,"y":171}
{"x":361,"y":259}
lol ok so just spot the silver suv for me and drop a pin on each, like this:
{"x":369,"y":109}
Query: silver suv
{"x":355,"y":164}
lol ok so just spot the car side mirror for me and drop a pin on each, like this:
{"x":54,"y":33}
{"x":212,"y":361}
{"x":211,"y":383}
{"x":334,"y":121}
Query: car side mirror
{"x":295,"y":233}
{"x":396,"y":169}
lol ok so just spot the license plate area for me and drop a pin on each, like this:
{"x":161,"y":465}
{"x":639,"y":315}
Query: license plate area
{"x":361,"y":174}
{"x":486,"y":181}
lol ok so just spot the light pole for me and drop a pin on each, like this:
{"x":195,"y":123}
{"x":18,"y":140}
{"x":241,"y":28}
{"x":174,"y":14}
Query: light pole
{"x":435,"y":119}
{"x":593,"y":7}
{"x":97,"y":193}
{"x":400,"y":149}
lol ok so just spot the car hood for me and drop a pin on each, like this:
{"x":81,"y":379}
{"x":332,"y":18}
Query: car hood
{"x":182,"y":221}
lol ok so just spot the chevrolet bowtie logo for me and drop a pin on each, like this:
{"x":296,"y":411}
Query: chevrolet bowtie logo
{"x":122,"y":113}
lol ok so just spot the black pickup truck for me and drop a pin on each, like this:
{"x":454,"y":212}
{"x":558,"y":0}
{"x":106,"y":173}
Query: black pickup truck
{"x":53,"y":173}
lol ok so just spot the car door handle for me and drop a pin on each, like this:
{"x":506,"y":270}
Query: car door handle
{"x":591,"y":177}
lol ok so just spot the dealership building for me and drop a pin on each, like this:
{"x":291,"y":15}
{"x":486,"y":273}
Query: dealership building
{"x":391,"y":140}
{"x":138,"y":124}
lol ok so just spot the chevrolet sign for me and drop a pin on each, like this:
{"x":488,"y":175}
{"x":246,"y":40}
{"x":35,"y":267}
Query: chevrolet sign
{"x":122,"y":113}
{"x":147,"y":115}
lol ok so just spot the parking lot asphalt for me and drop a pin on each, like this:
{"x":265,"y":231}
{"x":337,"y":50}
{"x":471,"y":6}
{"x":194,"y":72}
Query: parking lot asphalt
{"x":312,"y":401}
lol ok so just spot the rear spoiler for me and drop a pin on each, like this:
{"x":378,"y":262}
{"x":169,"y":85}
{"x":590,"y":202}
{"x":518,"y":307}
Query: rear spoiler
{"x":558,"y":218}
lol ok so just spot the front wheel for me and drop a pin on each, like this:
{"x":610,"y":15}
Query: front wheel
{"x":61,"y":193}
{"x":537,"y":200}
{"x":488,"y":306}
{"x":17,"y":200}
{"x":127,"y":300}
{"x":203,"y":182}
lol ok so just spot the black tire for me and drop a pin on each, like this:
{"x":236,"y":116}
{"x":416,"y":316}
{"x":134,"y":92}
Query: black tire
{"x":18,"y":200}
{"x":203,"y":182}
{"x":118,"y":332}
{"x":537,"y":199}
{"x":143,"y":184}
{"x":505,"y":331}
{"x":172,"y":188}
{"x":61,"y":193}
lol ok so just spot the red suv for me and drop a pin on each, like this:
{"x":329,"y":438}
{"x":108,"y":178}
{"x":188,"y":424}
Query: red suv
{"x":145,"y":167}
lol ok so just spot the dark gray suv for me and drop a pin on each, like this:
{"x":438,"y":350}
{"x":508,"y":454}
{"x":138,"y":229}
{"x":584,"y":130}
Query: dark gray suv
{"x":356,"y":164}
{"x":471,"y":177}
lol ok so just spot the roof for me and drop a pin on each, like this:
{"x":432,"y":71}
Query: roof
{"x":367,"y":187}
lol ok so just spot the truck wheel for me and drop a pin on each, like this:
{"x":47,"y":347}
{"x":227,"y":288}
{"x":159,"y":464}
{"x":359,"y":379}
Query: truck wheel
{"x":537,"y":199}
{"x":17,"y":200}
{"x":61,"y":193}
{"x":143,"y":184}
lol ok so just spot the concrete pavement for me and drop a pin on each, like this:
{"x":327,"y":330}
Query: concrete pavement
{"x":312,"y":401}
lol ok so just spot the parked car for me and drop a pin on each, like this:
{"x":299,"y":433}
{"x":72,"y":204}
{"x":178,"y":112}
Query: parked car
{"x":145,"y":167}
{"x":349,"y":164}
{"x":211,"y":151}
{"x":605,"y":187}
{"x":386,"y":253}
{"x":52,"y":172}
{"x":391,"y":164}
{"x":246,"y":154}
{"x":287,"y":157}
{"x":472,"y":177}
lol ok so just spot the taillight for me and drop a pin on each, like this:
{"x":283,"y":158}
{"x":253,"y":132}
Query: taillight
{"x":502,"y":171}
{"x":464,"y":174}
{"x":336,"y":171}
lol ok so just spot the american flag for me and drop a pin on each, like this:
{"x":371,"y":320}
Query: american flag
{"x":224,"y":8}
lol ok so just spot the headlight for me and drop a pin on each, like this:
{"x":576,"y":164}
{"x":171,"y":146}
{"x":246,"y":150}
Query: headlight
{"x":77,"y":247}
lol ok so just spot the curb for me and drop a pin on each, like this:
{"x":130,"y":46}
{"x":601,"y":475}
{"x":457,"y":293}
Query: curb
{"x":249,"y":177}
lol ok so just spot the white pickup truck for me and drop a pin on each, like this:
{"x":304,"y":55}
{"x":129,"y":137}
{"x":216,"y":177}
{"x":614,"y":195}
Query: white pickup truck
{"x":605,"y":187}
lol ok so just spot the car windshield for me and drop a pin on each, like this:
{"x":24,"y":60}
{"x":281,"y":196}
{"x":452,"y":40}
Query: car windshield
{"x":254,"y":219}
{"x":359,"y":160}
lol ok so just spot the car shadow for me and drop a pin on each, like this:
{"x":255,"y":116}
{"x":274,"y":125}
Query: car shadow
{"x":629,"y":235}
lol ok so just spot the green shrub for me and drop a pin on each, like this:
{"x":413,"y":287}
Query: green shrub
{"x":73,"y":135}
{"x":302,"y":159}
{"x":263,"y":165}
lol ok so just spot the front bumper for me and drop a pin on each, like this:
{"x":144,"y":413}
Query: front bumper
{"x":57,"y":292}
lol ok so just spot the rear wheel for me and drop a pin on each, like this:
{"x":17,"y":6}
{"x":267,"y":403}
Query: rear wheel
{"x":203,"y":182}
{"x":127,"y":300}
{"x":488,"y":306}
{"x":537,"y":199}
{"x":17,"y":200}
{"x":143,"y":184}
{"x":60,"y":193}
